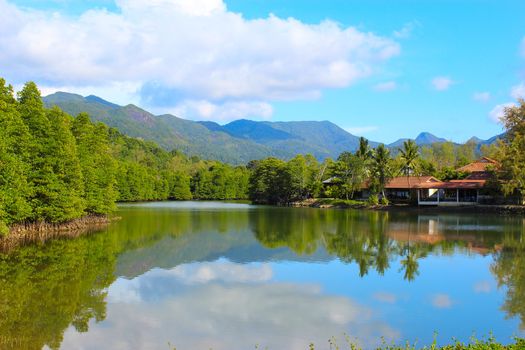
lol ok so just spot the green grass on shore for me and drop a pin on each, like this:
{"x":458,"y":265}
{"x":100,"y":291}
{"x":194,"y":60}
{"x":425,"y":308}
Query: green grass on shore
{"x":474,"y":344}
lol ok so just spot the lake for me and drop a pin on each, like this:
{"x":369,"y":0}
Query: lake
{"x":227,"y":276}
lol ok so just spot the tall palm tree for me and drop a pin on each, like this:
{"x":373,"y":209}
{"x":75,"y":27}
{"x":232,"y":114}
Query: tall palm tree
{"x":364,"y":151}
{"x":381,"y":167}
{"x":409,"y":155}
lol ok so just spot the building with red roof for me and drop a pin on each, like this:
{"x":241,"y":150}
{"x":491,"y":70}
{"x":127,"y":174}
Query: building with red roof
{"x":459,"y":192}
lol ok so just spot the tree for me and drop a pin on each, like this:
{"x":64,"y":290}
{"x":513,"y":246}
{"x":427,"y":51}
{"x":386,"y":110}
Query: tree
{"x":14,"y":147}
{"x":513,"y":162}
{"x":364,"y":151}
{"x":180,"y":186}
{"x":65,"y":201}
{"x":44,"y":173}
{"x":270,"y":182}
{"x":409,"y":156}
{"x":465,"y":153}
{"x":97,"y":164}
{"x":350,"y":171}
{"x":381,"y":168}
{"x":303,"y":174}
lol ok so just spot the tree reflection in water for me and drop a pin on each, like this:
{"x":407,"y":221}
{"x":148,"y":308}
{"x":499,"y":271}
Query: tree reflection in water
{"x":44,"y":289}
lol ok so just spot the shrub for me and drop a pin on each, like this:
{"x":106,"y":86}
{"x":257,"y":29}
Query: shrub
{"x":373,"y":199}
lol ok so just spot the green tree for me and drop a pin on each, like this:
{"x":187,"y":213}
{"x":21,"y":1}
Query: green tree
{"x":66,"y":199}
{"x":364,"y":151}
{"x":54,"y":176}
{"x":270,"y":182}
{"x":14,"y":148}
{"x":513,"y":162}
{"x":381,"y":170}
{"x":350,"y":172}
{"x":97,"y":164}
{"x":409,"y":157}
{"x":180,"y":186}
{"x":303,"y":176}
{"x":465,"y":153}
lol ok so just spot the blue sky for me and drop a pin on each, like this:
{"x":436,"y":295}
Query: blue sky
{"x":381,"y":69}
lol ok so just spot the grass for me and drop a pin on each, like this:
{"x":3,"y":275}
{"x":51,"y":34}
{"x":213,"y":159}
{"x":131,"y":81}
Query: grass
{"x":341,"y":202}
{"x":474,"y":344}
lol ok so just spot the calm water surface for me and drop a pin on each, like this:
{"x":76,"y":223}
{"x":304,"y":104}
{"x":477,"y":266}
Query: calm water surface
{"x":231,"y":276}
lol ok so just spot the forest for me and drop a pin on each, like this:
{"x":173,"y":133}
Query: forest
{"x":55,"y":168}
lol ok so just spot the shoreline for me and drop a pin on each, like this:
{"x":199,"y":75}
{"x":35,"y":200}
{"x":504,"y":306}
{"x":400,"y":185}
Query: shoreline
{"x":27,"y":233}
{"x":326,"y":203}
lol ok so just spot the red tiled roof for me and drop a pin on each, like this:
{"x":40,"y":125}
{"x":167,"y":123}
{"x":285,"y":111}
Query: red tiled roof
{"x":455,"y":184}
{"x":404,"y":182}
{"x":479,"y":165}
{"x":480,"y":175}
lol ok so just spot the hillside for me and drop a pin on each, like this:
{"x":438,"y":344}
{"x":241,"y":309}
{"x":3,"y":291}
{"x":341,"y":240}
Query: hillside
{"x":237,"y":142}
{"x":168,"y":131}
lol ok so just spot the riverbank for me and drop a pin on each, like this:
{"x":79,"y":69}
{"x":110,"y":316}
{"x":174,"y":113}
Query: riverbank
{"x":327,"y":203}
{"x":27,"y":233}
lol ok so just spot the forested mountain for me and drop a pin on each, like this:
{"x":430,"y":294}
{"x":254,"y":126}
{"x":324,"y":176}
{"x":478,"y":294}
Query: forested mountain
{"x":237,"y":142}
{"x":168,"y":131}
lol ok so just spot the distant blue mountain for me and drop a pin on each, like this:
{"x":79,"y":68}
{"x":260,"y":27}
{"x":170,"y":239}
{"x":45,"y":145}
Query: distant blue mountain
{"x":424,"y":138}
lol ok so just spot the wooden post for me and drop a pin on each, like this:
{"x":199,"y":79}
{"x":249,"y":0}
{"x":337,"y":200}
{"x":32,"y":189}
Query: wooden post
{"x":457,"y":195}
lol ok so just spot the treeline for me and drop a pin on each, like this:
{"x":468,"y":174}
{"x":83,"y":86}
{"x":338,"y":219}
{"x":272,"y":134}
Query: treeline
{"x":56,"y":168}
{"x":275,"y":181}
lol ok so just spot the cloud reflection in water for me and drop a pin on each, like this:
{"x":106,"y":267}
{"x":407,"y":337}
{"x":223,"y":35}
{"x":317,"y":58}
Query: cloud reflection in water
{"x":223,"y":305}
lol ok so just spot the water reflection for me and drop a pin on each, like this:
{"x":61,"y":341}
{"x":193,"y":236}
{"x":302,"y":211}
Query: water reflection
{"x":44,"y":290}
{"x":203,"y":277}
{"x":230,"y":308}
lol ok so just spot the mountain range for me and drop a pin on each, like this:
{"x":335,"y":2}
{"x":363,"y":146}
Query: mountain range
{"x":237,"y":142}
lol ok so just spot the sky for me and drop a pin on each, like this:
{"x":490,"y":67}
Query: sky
{"x":379,"y":68}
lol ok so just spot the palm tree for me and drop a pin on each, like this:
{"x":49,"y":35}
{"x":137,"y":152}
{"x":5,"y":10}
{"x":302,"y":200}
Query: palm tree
{"x":381,"y":167}
{"x":409,"y":155}
{"x":364,"y":151}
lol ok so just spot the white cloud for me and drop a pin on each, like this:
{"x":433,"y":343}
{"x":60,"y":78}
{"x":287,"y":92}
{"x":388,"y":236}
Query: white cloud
{"x":518,"y":91}
{"x":175,"y":51}
{"x":222,"y":271}
{"x":385,"y":297}
{"x":481,"y":96}
{"x":482,"y":287}
{"x":360,"y":130}
{"x":386,"y":86}
{"x":497,"y":112}
{"x":226,"y":314}
{"x":442,"y":83}
{"x":407,"y":30}
{"x":441,"y":301}
{"x":228,"y":111}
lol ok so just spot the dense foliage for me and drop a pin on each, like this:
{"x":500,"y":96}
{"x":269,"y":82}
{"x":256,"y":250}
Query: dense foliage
{"x":513,"y":151}
{"x":272,"y":180}
{"x":56,"y":168}
{"x":275,"y":181}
